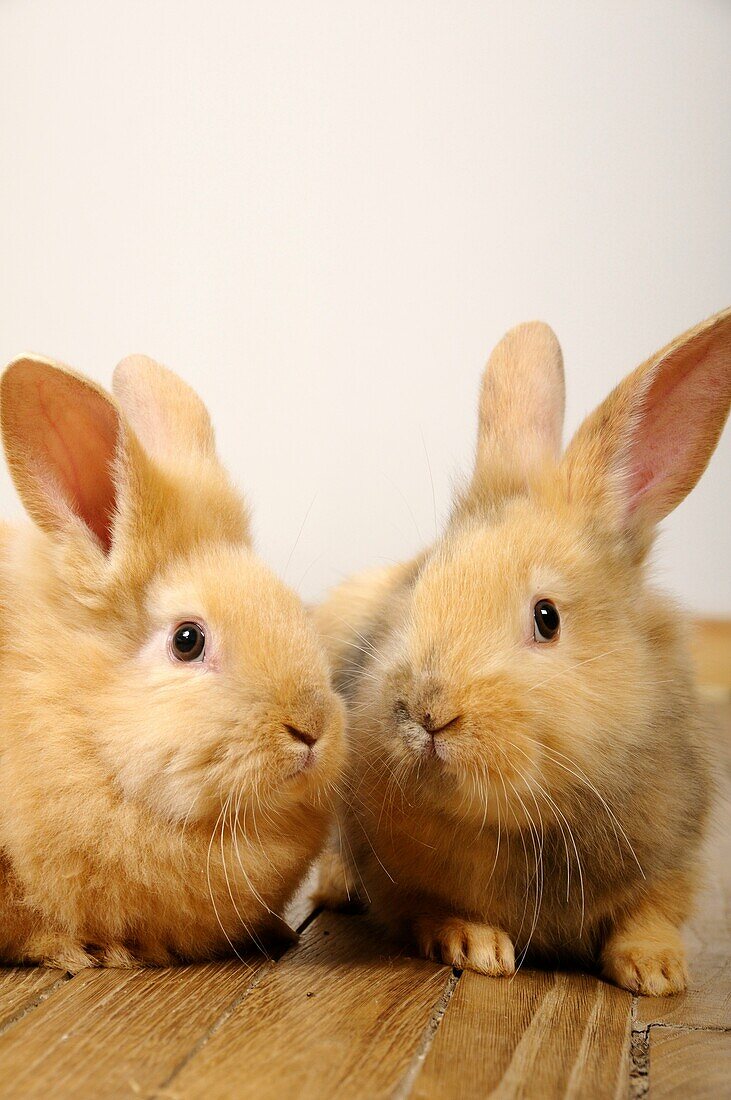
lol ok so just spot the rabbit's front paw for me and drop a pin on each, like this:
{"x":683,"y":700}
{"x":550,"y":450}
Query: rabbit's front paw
{"x":466,"y":945}
{"x":650,"y":966}
{"x":648,"y":972}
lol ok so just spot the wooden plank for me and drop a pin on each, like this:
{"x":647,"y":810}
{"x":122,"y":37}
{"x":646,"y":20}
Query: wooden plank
{"x":707,"y":1002}
{"x":689,"y":1064}
{"x":118,"y":1032}
{"x":339,"y":1016}
{"x":540,"y":1034}
{"x":23,"y":987}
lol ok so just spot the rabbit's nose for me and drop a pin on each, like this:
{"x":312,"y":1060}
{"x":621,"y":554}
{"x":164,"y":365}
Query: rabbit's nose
{"x":431,"y":722}
{"x":434,"y":725}
{"x":307,"y":737}
{"x":309,"y":718}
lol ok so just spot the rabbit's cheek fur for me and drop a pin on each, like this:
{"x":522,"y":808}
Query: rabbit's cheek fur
{"x":215,"y":743}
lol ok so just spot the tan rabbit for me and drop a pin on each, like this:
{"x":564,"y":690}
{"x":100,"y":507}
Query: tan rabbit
{"x":168,"y":732}
{"x":528,"y":765}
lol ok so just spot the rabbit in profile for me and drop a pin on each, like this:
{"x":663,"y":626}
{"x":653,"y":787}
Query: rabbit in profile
{"x":168,"y":732}
{"x":528,"y":766}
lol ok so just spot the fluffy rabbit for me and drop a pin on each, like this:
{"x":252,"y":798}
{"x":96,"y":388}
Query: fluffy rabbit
{"x":168,"y":731}
{"x":528,"y":764}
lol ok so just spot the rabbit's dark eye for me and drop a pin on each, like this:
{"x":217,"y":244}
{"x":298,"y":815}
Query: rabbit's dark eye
{"x":547,"y":621}
{"x":188,"y":642}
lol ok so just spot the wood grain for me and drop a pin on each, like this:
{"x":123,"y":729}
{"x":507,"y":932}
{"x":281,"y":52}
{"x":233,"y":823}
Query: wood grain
{"x":689,"y":1064}
{"x":542,"y":1034}
{"x":117,"y":1032}
{"x":22,"y":988}
{"x":337,"y":1017}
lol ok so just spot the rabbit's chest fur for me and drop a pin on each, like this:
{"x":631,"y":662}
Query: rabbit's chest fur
{"x":551,"y":886}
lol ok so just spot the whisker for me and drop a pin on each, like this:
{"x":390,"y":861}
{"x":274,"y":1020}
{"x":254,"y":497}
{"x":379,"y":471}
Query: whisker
{"x":299,"y":536}
{"x":572,"y":668}
{"x":433,"y":491}
{"x":210,"y":891}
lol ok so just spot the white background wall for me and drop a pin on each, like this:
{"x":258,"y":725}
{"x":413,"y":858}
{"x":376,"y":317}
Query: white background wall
{"x":324,"y":214}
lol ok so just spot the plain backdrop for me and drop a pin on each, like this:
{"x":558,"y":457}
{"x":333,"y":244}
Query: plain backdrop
{"x":324,"y":214}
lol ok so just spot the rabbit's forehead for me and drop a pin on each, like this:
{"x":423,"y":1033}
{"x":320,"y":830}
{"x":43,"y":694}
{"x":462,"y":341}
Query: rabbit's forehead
{"x":529,"y":551}
{"x":221,"y":583}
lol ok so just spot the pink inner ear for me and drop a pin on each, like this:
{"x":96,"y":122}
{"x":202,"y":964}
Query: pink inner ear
{"x":78,"y":430}
{"x":681,"y":417}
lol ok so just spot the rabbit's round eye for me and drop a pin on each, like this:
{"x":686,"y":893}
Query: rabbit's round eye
{"x":188,"y":642}
{"x":546,"y":620}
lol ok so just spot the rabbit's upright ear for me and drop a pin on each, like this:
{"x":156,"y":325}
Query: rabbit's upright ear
{"x":63,"y":438}
{"x":168,"y":417}
{"x":641,"y":452}
{"x":521,"y":406}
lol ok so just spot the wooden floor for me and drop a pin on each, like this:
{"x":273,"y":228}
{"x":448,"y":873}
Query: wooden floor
{"x":337,"y":1017}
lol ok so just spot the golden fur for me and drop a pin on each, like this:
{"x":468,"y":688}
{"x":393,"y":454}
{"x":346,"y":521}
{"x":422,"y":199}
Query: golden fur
{"x":149,"y":810}
{"x":508,"y":796}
